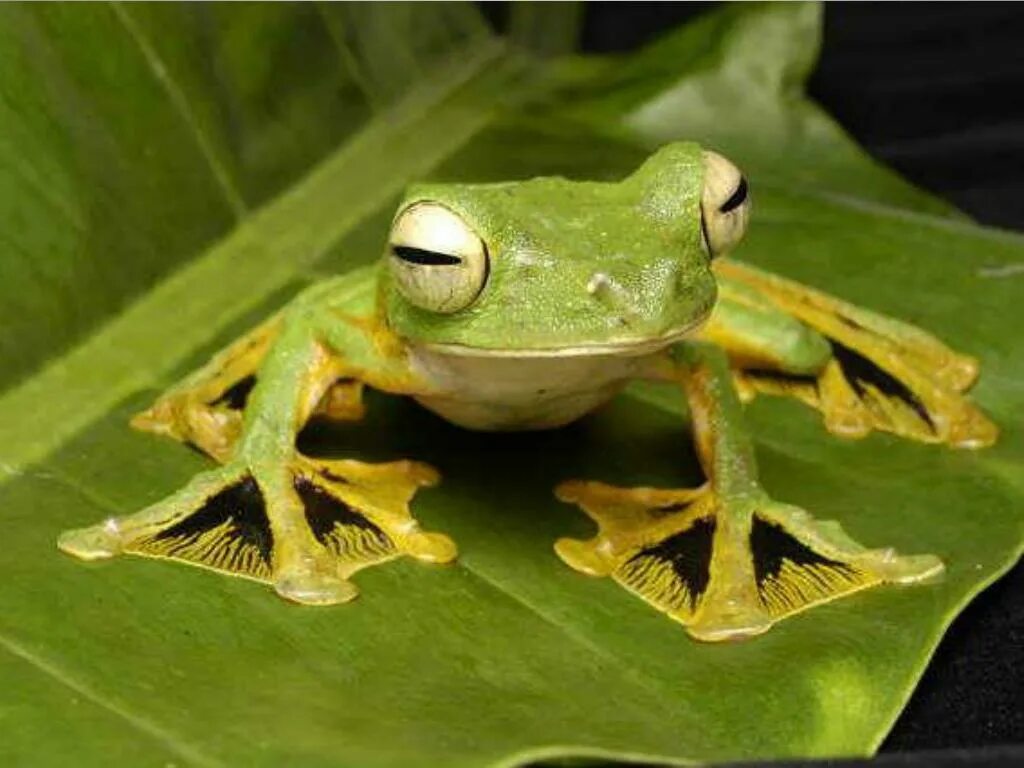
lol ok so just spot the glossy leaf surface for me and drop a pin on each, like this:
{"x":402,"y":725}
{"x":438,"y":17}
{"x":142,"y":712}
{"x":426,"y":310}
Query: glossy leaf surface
{"x":183,"y":174}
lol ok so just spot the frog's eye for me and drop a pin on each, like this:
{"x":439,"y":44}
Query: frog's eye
{"x":724,"y":205}
{"x":438,"y":263}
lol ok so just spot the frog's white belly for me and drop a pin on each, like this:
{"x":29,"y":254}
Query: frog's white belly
{"x":520,"y":393}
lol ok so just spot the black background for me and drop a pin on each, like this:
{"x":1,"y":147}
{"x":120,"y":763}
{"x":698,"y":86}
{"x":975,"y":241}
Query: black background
{"x":935,"y":90}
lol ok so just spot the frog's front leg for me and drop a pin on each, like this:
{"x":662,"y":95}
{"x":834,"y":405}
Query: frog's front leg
{"x":725,"y":560}
{"x":304,"y":525}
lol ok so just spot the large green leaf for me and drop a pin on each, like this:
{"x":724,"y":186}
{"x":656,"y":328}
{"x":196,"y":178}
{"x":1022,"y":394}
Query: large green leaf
{"x":134,"y":136}
{"x":177,"y":144}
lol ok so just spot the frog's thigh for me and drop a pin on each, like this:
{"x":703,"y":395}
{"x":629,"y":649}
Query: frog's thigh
{"x":758,"y":336}
{"x":725,"y":560}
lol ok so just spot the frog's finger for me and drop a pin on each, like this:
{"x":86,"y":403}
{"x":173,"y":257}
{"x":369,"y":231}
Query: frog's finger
{"x":360,"y":512}
{"x":218,"y":521}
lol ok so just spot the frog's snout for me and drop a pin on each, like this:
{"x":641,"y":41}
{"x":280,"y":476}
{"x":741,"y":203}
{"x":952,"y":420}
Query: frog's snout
{"x":650,"y":302}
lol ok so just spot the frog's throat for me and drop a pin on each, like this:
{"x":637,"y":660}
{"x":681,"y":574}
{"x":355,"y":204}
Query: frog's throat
{"x":623,"y":348}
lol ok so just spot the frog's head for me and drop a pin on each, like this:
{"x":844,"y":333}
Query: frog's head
{"x":557,"y":267}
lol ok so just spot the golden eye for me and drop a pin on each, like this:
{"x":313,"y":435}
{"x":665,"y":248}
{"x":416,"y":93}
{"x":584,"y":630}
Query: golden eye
{"x":438,"y":263}
{"x":725,"y":204}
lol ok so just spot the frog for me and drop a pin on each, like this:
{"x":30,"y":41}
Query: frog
{"x":527,"y":305}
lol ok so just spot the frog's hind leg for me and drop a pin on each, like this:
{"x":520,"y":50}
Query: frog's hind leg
{"x":725,"y":560}
{"x":205,"y":409}
{"x":876,"y":374}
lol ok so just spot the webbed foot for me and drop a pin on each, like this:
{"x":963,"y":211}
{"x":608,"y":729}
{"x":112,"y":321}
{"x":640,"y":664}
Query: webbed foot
{"x":883,"y":374}
{"x":305,"y":527}
{"x":726,"y":568}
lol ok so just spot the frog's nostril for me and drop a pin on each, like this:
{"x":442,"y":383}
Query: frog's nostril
{"x":598,"y":285}
{"x":607,"y":290}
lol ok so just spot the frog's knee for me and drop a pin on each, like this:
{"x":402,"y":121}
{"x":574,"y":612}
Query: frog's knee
{"x":802,"y":351}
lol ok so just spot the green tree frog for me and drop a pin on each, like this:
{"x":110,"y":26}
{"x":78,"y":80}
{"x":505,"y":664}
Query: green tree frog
{"x":524,"y":306}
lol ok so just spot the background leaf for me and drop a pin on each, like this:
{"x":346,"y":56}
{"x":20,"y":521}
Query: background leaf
{"x":134,"y":136}
{"x":186,"y":171}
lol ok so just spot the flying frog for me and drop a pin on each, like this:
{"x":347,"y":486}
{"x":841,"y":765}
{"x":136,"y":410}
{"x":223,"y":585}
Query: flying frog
{"x":524,"y":306}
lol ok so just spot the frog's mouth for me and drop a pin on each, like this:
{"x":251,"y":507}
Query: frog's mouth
{"x":625,"y":347}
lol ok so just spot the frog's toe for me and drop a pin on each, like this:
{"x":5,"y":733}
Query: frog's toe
{"x":582,"y":556}
{"x":729,"y":568}
{"x":309,"y":586}
{"x":421,"y":473}
{"x":889,"y":567}
{"x":431,"y":547}
{"x":98,"y":542}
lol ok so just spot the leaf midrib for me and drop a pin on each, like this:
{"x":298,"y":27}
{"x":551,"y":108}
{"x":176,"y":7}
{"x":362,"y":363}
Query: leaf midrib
{"x":260,"y":256}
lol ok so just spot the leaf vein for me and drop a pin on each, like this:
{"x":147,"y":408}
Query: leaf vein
{"x":177,"y":98}
{"x":635,"y":675}
{"x":173,"y":743}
